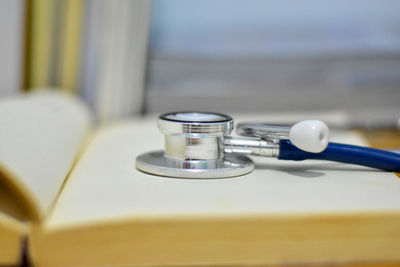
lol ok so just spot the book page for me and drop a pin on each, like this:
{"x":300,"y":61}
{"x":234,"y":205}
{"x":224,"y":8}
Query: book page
{"x":105,"y":186}
{"x":40,"y":137}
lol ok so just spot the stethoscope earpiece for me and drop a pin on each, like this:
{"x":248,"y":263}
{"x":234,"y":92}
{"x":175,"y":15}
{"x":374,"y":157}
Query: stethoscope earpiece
{"x":199,"y":145}
{"x":310,"y":135}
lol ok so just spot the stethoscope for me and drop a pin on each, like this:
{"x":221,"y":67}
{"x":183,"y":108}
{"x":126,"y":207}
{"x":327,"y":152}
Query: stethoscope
{"x":199,"y":145}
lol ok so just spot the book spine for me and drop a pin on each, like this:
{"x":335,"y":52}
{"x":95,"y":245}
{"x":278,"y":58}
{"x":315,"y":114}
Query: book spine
{"x":115,"y":87}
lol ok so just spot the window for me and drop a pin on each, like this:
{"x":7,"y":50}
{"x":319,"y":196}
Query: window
{"x":255,"y":55}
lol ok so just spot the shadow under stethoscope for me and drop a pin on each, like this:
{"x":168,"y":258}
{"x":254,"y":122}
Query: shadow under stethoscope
{"x":313,"y":171}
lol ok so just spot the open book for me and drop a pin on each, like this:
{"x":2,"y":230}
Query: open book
{"x":74,"y":194}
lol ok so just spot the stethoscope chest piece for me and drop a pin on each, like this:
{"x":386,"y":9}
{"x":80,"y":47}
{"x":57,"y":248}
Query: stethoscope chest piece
{"x":194,"y":148}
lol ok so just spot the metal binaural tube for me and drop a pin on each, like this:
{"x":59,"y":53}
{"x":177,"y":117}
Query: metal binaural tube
{"x":251,"y":146}
{"x":265,"y":131}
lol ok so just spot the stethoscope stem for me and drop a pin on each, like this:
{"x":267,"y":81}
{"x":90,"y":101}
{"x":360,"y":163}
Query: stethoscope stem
{"x":251,"y":146}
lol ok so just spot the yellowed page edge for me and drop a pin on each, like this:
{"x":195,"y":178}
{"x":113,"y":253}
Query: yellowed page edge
{"x":219,"y":241}
{"x":24,"y":208}
{"x":12,"y":234}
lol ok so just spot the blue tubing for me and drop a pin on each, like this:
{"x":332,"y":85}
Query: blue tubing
{"x":365,"y":156}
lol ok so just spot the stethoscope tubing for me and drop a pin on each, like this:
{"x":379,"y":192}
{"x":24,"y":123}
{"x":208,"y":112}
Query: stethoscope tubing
{"x":365,"y":156}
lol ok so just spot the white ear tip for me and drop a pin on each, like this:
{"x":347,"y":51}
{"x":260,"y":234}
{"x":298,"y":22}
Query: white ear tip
{"x":310,"y":135}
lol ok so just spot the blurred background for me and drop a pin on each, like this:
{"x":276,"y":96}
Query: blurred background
{"x":127,"y":57}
